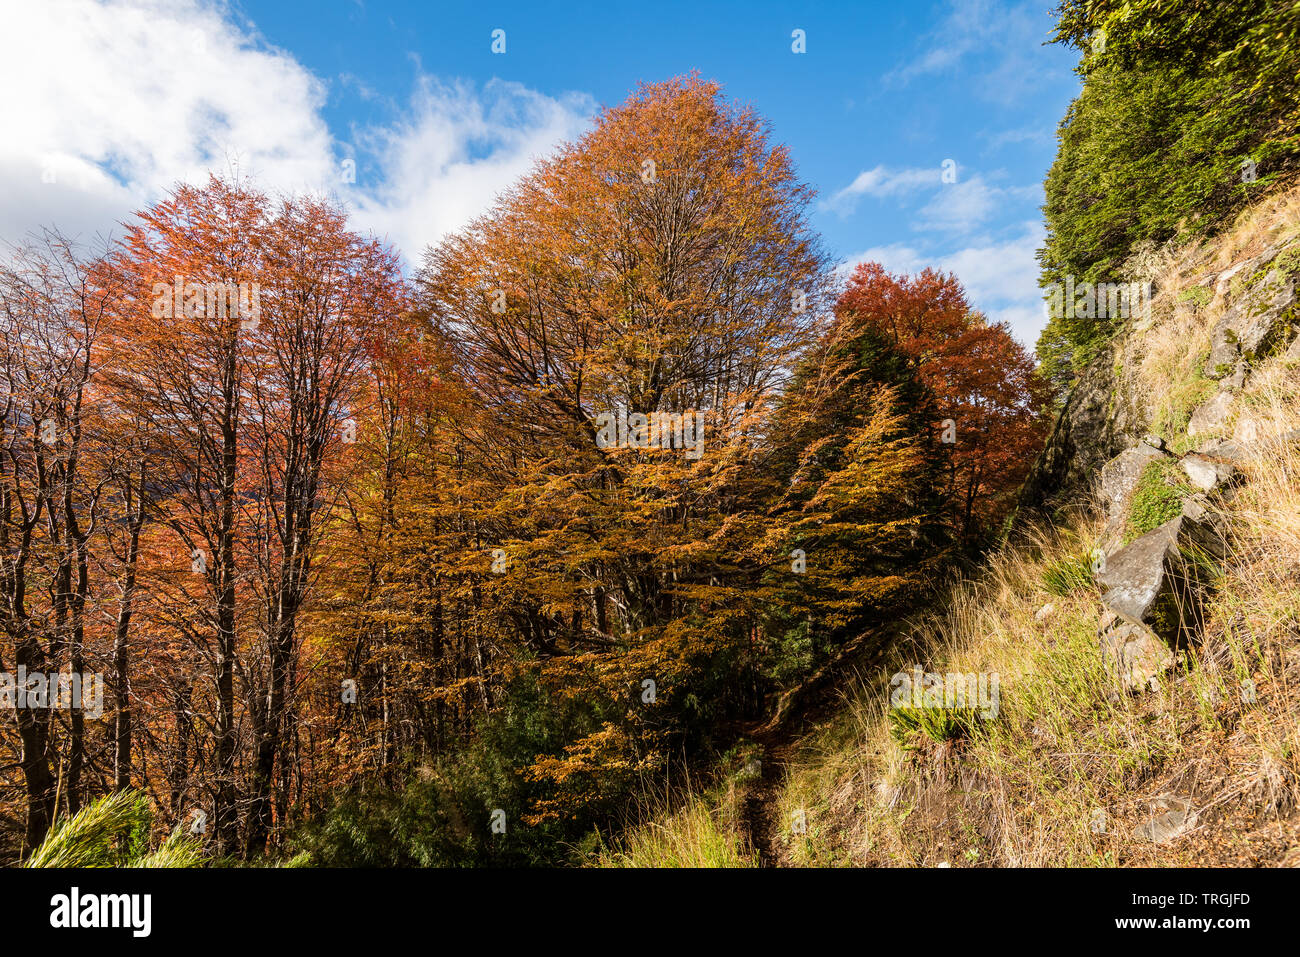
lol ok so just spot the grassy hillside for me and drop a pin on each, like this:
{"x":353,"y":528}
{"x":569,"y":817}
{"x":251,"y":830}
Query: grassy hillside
{"x":1200,"y":766}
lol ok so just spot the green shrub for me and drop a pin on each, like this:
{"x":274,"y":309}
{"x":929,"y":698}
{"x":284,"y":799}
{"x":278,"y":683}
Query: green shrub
{"x":438,"y":813}
{"x":1157,"y":497}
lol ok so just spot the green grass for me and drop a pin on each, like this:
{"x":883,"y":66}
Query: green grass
{"x":702,"y":832}
{"x":1176,"y":406}
{"x":1067,"y":574}
{"x":939,"y":724}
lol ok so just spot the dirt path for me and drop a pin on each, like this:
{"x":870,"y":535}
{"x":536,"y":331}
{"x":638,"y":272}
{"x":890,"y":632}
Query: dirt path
{"x":799,"y":711}
{"x":760,"y":808}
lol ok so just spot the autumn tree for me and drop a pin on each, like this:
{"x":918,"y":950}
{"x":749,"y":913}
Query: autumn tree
{"x":661,"y":265}
{"x":53,"y":312}
{"x":248,"y":327}
{"x":185,"y":373}
{"x":989,"y":401}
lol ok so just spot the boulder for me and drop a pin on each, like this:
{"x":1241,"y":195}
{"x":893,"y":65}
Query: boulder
{"x":1157,"y":580}
{"x":1196,"y":507}
{"x":1211,"y":414}
{"x":1255,"y":323}
{"x":1226,"y":450}
{"x":1102,"y":416}
{"x":1207,"y":473}
{"x":1132,"y":654}
{"x":1117,"y":478}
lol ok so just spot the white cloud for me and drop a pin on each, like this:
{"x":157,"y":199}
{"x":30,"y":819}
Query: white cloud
{"x":964,"y":206}
{"x":961,"y":206}
{"x":116,"y":101}
{"x":881,"y":182}
{"x":991,"y":42}
{"x":1000,"y":276}
{"x":445,"y":163}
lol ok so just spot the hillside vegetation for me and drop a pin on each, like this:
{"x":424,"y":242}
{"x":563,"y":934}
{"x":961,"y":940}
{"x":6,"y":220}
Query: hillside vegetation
{"x":1188,"y":114}
{"x":1092,"y":760}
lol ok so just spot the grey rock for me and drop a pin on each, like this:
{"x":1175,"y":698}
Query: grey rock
{"x":1235,"y":381}
{"x":1224,"y":278}
{"x":1223,"y":350}
{"x":1117,"y":478}
{"x":1133,"y":655}
{"x":1206,"y":473}
{"x":1210,"y":414}
{"x":1100,"y":419}
{"x":1157,"y":581}
{"x":1226,"y":449}
{"x":1253,"y":324}
{"x":1169,"y":817}
{"x":1195,"y":508}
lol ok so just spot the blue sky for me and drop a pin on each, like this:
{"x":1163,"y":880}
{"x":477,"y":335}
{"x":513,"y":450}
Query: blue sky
{"x":434,"y":123}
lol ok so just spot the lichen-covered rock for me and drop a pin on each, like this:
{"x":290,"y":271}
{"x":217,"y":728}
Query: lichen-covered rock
{"x":1098,"y":421}
{"x":1211,"y":414}
{"x":1227,"y":450}
{"x":1157,"y":581}
{"x":1119,"y":476}
{"x":1255,"y":323}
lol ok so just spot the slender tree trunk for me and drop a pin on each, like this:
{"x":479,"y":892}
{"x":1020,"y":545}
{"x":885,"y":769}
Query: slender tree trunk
{"x":226,"y":811}
{"x":121,"y":649}
{"x":33,"y":731}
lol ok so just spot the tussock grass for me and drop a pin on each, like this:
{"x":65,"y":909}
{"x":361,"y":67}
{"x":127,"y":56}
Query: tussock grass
{"x":702,"y":830}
